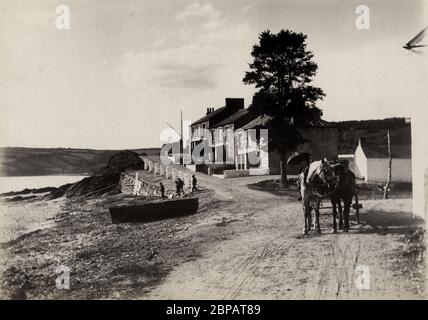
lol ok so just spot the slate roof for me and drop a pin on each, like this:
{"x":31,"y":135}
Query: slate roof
{"x":263,"y":120}
{"x":238,"y":119}
{"x":260,"y":121}
{"x":209,"y":116}
{"x":231,"y":119}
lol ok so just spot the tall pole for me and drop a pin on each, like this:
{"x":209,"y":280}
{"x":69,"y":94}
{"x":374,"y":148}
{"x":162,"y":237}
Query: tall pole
{"x":385,"y":193}
{"x":181,"y":138}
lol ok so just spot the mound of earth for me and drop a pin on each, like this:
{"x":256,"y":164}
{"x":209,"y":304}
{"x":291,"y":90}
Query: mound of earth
{"x":105,"y":180}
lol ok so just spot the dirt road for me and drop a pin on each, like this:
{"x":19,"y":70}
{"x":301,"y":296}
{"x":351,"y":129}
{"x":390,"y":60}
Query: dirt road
{"x":263,"y":254}
{"x":242,"y":244}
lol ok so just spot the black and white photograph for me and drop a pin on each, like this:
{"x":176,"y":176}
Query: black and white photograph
{"x":237,"y":150}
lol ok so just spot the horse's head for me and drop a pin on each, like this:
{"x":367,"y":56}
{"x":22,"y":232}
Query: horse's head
{"x":345,"y":178}
{"x":326,"y":173}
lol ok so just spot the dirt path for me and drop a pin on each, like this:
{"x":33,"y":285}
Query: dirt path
{"x":265,"y":256}
{"x":243,"y":243}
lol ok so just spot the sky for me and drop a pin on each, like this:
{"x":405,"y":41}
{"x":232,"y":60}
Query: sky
{"x":126,"y":68}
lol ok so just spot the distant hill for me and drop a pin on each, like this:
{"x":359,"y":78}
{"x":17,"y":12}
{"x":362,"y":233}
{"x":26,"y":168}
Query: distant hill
{"x":374,"y":131}
{"x":49,"y":161}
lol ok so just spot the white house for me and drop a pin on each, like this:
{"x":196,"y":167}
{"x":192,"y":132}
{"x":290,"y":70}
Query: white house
{"x":371,"y":162}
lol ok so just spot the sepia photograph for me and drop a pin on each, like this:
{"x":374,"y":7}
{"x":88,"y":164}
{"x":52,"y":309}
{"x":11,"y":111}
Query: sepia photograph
{"x":239,"y":150}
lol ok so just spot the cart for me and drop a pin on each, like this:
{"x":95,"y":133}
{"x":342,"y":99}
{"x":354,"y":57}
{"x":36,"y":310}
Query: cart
{"x":356,"y":206}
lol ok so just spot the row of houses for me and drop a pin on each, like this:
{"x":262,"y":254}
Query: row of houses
{"x":239,"y":143}
{"x":234,"y":142}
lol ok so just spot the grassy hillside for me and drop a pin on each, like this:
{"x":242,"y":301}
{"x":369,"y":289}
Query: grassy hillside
{"x":41,"y":161}
{"x":373,"y":131}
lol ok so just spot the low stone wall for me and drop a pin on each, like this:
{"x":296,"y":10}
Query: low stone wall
{"x":259,"y":171}
{"x":235,"y":173}
{"x":129,"y":186}
{"x":245,"y":172}
{"x":191,"y":167}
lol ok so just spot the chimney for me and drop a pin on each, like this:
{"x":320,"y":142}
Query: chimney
{"x":209,"y":110}
{"x":235,"y":103}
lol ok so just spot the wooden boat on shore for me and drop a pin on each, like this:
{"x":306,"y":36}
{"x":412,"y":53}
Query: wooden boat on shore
{"x":156,"y":210}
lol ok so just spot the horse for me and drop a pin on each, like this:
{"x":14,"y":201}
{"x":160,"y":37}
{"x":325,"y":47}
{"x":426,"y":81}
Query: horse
{"x":344,"y":190}
{"x":314,"y":184}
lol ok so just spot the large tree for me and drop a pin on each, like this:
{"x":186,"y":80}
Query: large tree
{"x":282,"y":70}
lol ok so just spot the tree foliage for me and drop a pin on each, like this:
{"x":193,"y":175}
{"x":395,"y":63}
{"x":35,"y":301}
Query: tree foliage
{"x":282,"y":70}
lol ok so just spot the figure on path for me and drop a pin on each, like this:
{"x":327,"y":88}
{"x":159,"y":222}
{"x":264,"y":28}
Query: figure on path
{"x":162,"y":190}
{"x":194,"y":182}
{"x":179,"y":185}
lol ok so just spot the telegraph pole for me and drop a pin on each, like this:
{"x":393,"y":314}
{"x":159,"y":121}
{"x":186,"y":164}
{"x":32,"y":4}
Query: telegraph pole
{"x":385,"y":192}
{"x":180,"y":142}
{"x":181,"y":138}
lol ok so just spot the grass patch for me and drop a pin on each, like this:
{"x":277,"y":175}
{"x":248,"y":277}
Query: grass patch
{"x":373,"y":191}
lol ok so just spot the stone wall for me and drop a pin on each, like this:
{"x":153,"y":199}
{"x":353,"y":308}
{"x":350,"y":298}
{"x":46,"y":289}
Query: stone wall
{"x":245,"y":172}
{"x":133,"y":184}
{"x":129,"y":186}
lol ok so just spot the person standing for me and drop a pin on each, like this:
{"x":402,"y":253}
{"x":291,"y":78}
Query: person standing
{"x":194,"y":182}
{"x":162,"y":190}
{"x":177,"y":186}
{"x":181,"y":182}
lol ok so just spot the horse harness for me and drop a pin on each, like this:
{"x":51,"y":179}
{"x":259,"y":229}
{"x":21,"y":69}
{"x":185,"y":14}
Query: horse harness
{"x":316,"y":186}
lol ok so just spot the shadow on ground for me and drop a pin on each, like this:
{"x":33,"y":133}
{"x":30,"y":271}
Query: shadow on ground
{"x":273,"y":187}
{"x":383,"y":222}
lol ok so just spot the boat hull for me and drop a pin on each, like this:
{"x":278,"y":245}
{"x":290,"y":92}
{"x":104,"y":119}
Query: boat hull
{"x":153,"y":211}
